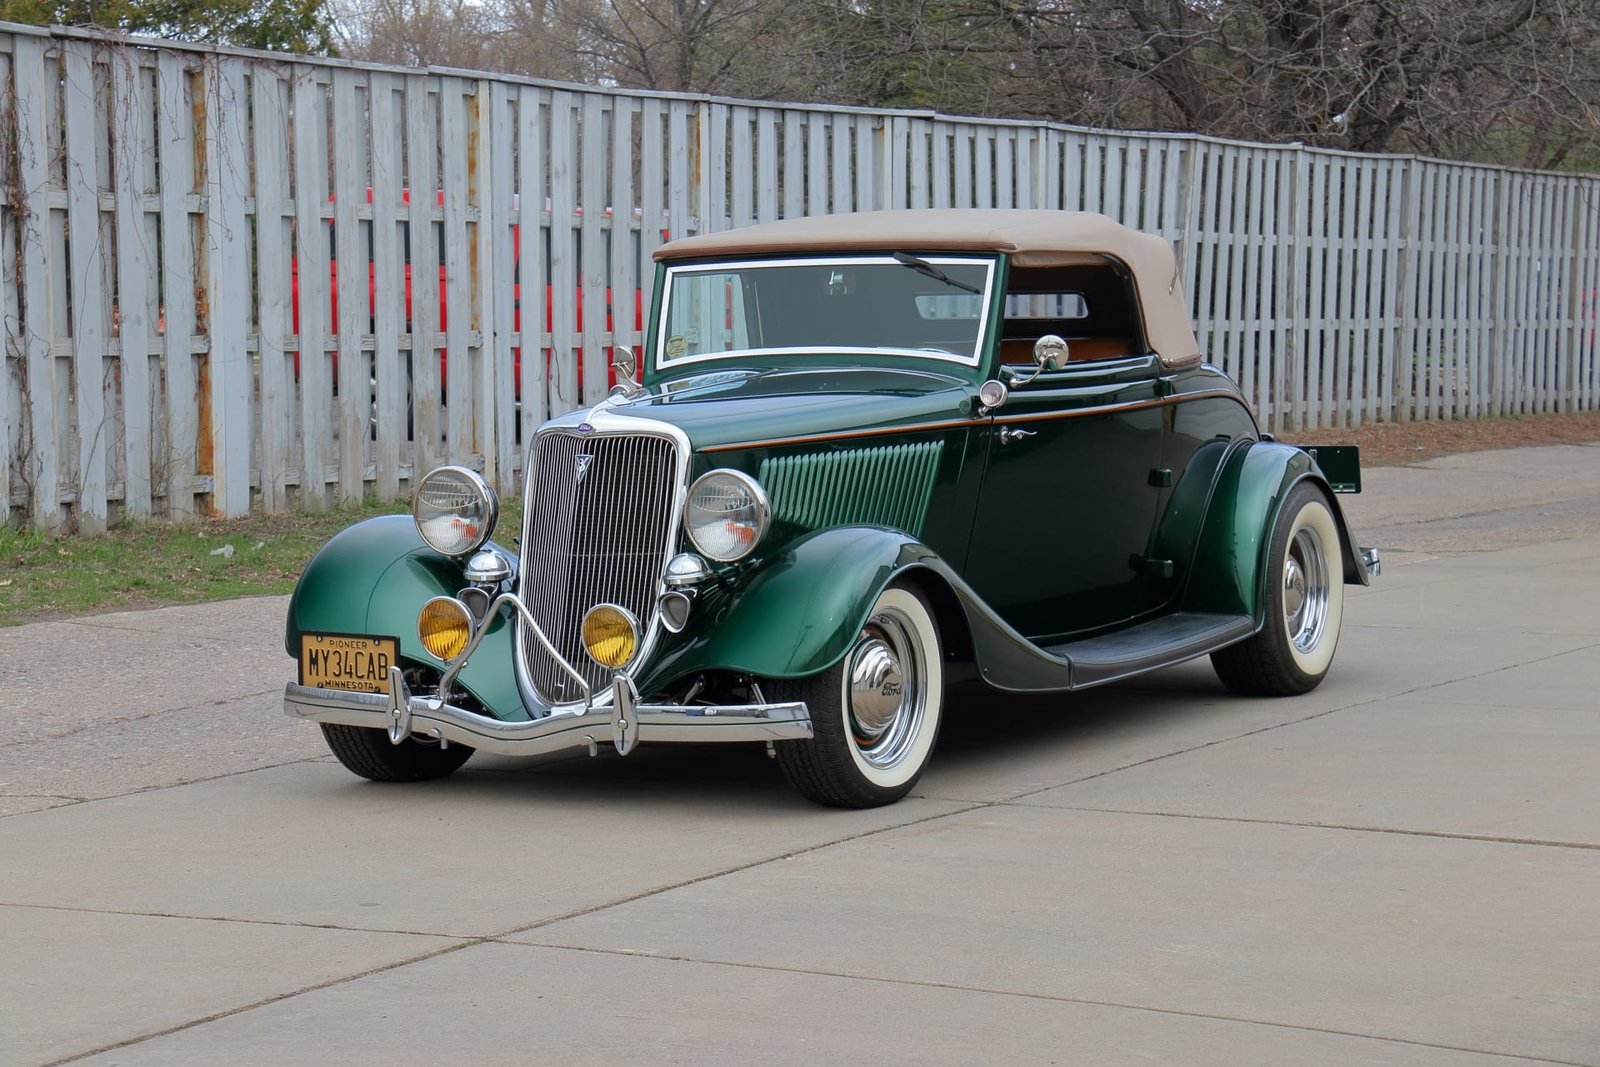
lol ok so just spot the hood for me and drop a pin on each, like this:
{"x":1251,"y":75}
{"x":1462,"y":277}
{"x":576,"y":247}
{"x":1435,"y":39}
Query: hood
{"x":738,"y":406}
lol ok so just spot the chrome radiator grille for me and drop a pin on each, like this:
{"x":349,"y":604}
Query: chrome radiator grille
{"x":598,"y":526}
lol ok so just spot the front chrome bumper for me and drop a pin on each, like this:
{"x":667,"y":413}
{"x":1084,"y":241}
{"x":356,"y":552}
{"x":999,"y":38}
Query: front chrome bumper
{"x":623,"y":724}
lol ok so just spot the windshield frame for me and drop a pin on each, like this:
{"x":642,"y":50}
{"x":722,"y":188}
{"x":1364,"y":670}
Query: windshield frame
{"x":990,"y":263}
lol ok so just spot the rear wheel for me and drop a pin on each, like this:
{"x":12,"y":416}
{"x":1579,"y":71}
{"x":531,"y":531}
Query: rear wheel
{"x":370,"y":754}
{"x":1304,"y":608}
{"x":875,"y":714}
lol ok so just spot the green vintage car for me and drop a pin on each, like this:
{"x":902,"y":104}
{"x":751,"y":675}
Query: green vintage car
{"x":870,"y":454}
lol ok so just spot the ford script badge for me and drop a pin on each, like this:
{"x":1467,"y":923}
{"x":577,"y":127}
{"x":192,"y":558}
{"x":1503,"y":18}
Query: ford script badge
{"x":584,"y":427}
{"x":581,"y":468}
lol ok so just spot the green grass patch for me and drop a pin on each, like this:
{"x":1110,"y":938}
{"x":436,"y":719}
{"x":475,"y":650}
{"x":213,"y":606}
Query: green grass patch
{"x":138,"y":566}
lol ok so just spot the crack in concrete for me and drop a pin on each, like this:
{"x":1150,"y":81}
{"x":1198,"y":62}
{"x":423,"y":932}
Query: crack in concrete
{"x":101,"y":724}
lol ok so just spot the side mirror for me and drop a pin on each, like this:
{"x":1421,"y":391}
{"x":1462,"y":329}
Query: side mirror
{"x":626,"y":365}
{"x":1049,"y":353}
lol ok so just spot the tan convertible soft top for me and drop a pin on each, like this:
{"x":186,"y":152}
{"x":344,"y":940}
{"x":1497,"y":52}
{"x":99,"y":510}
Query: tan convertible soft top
{"x":1030,"y":238}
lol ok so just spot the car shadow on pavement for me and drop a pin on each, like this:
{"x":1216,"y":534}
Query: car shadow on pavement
{"x":981,"y":728}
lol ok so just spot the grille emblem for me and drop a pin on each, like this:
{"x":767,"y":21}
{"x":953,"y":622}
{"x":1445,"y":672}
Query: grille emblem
{"x":580,"y":464}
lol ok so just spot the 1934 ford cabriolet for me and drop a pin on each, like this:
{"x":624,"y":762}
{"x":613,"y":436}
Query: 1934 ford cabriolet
{"x":869,"y":453}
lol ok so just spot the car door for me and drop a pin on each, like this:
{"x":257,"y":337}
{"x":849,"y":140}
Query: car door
{"x":1069,"y":500}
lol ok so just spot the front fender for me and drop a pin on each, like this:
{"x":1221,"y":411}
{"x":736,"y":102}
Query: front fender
{"x":373,"y":578}
{"x":795,"y":613}
{"x":1231,"y":558}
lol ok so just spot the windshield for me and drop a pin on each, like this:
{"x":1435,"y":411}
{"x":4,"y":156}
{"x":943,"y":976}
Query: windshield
{"x":932,"y":307}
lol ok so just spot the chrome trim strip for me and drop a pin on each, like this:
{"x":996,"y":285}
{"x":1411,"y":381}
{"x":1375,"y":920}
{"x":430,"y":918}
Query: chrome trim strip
{"x":956,"y":424}
{"x":986,"y":258}
{"x":575,"y":727}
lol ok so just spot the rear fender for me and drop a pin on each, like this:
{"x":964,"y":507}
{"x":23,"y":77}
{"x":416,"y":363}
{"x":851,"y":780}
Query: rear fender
{"x":373,"y":578}
{"x":1230,"y":564}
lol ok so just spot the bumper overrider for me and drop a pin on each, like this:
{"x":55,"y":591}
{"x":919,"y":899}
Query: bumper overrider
{"x":616,"y":716}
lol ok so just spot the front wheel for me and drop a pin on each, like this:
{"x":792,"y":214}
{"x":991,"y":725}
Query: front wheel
{"x":875,"y":714}
{"x":370,"y":754}
{"x":1304,"y":605}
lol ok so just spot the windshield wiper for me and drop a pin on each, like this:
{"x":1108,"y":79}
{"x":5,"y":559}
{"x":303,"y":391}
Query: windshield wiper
{"x":922,"y":266}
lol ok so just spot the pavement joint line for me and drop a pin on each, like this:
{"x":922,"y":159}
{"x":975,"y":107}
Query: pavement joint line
{"x":238,"y":920}
{"x":525,"y":927}
{"x":1196,"y":748}
{"x":737,"y":868}
{"x":263,"y":1002}
{"x":1449,"y":835}
{"x":93,"y":621}
{"x":1051,"y":998}
{"x":1434,"y":519}
{"x":192,"y":781}
{"x":462,"y":942}
{"x":101,"y":724}
{"x":1289,"y":722}
{"x":1586,"y":635}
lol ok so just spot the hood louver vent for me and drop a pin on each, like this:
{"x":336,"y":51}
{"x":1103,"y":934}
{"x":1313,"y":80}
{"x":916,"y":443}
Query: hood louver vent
{"x":889,"y":485}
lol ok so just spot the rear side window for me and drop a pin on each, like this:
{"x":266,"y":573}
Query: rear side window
{"x":1090,"y":305}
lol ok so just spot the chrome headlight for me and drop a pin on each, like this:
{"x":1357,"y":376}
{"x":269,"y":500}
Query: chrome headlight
{"x":455,"y":510}
{"x":726,"y":514}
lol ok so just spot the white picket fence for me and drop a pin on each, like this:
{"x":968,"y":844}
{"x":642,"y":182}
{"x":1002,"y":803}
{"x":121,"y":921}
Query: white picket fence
{"x":176,"y":220}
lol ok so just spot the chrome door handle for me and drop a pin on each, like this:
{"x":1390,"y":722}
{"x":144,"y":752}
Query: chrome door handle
{"x":1008,"y":435}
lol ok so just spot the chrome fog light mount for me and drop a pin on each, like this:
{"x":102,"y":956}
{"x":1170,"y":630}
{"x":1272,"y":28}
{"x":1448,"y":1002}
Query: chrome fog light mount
{"x":686,"y":570}
{"x":487,"y":568}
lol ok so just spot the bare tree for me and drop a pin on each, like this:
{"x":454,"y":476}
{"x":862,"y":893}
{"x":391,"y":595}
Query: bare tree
{"x":511,"y":36}
{"x":1514,"y":81}
{"x":1490,"y":79}
{"x":699,"y":45}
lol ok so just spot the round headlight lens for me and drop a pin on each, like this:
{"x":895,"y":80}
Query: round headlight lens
{"x":726,"y":514}
{"x":455,"y":510}
{"x":611,"y":635}
{"x":445,"y":626}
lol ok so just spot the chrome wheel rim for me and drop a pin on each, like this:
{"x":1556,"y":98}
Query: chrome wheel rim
{"x":1306,"y":582}
{"x":885,"y":696}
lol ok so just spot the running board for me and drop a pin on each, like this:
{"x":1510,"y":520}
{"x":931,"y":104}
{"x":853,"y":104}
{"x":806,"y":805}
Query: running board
{"x":1157,"y":643}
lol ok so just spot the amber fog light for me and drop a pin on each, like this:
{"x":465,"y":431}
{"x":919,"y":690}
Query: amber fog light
{"x":445,"y":626}
{"x":611,"y":635}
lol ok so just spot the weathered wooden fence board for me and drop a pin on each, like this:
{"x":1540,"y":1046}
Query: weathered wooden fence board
{"x":11,"y":365}
{"x":131,"y":134}
{"x":176,"y":113}
{"x":389,"y":288}
{"x":274,"y":256}
{"x":309,"y":100}
{"x":287,"y":281}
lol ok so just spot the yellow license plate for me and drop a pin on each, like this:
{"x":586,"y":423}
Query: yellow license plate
{"x":335,"y":661}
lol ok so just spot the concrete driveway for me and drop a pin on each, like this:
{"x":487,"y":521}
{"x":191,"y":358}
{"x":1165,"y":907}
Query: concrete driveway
{"x":1402,"y":867}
